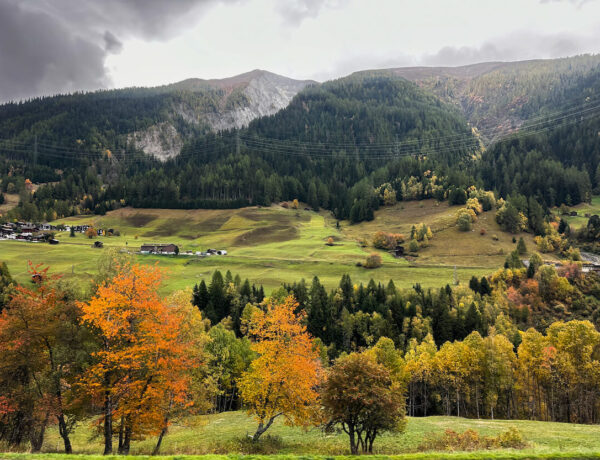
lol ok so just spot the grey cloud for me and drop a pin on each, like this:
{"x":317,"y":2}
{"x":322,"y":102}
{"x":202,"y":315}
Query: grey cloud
{"x":296,"y":11}
{"x":111,"y":43}
{"x":574,"y":2}
{"x":507,"y":48}
{"x":38,"y":55}
{"x":57,"y":46}
{"x":510,"y":48}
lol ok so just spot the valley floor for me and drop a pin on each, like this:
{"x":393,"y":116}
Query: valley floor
{"x":273,"y":245}
{"x":224,"y":434}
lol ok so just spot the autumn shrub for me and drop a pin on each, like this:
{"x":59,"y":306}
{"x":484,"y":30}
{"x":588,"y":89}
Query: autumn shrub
{"x":464,"y":220}
{"x":474,"y":205}
{"x":482,"y":231}
{"x":285,"y":205}
{"x":267,"y":445}
{"x":471,"y":440}
{"x":330,"y":241}
{"x":373,"y":261}
{"x":383,"y":240}
{"x":511,"y":439}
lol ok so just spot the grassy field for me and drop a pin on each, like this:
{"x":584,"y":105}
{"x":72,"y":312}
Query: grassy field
{"x":273,"y":245}
{"x":582,"y":209}
{"x":225,"y":434}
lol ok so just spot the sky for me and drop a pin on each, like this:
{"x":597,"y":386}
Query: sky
{"x":57,"y":46}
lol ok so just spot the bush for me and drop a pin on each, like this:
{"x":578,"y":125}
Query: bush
{"x":482,"y":231}
{"x":473,"y":204}
{"x":329,"y":241}
{"x":495,"y":237}
{"x":90,"y":233}
{"x":465,"y":218}
{"x":383,"y":240}
{"x":266,"y":445}
{"x":512,"y":438}
{"x":471,"y":440}
{"x":413,"y":246}
{"x":373,"y":261}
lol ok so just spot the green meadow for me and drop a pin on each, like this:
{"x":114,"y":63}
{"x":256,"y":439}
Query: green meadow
{"x":582,"y":209}
{"x":226,"y":433}
{"x":275,"y":245}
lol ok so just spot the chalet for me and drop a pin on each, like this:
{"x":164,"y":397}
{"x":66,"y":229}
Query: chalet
{"x":80,"y":228}
{"x":7,"y":229}
{"x":166,"y":249}
{"x":29,"y":228}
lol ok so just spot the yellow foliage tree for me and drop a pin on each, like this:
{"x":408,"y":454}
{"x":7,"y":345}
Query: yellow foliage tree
{"x":282,"y":380}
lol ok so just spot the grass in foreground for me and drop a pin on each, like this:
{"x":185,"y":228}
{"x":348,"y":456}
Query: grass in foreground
{"x":225,"y":434}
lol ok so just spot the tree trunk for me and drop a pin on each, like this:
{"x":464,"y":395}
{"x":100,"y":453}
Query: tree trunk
{"x":262,"y":428}
{"x":64,"y":433}
{"x":353,"y":446}
{"x":37,"y":439}
{"x":126,"y":441}
{"x":108,"y":448}
{"x":159,"y":442}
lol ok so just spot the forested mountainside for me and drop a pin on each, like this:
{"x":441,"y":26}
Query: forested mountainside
{"x":360,"y":131}
{"x":348,"y":145}
{"x":497,"y":97}
{"x":156,"y":120}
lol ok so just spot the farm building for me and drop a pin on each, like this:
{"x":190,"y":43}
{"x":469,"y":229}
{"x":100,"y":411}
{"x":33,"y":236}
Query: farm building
{"x":166,"y":249}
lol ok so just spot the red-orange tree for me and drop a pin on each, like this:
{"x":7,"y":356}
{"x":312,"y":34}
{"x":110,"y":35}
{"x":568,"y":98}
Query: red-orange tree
{"x":142,"y":370}
{"x":42,"y":350}
{"x":283,"y":379}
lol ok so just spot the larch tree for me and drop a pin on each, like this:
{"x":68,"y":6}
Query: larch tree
{"x":283,"y":379}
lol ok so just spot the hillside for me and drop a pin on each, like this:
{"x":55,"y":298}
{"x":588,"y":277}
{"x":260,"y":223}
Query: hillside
{"x":498,"y":97}
{"x":155,"y":120}
{"x":274,"y":245}
{"x":218,"y":433}
{"x":338,"y":145}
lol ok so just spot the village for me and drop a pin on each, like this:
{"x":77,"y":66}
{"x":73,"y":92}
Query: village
{"x":31,"y":232}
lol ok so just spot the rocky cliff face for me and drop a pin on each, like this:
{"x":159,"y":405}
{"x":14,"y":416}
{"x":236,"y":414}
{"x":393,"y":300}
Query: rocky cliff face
{"x":217,"y":105}
{"x":265,"y":93}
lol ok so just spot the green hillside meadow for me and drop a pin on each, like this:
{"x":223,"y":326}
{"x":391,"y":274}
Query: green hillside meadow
{"x":273,"y":245}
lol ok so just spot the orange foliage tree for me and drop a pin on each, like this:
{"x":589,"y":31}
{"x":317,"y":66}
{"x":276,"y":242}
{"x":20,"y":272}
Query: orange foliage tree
{"x":283,"y":379}
{"x":150,"y":350}
{"x":41,"y":350}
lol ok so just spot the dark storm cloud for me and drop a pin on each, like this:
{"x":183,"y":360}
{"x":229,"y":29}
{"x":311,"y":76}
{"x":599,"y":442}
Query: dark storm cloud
{"x":52,"y":46}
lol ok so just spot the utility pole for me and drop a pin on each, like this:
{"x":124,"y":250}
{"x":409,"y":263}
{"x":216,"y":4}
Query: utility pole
{"x":237,"y":142}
